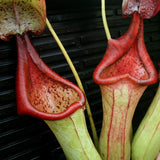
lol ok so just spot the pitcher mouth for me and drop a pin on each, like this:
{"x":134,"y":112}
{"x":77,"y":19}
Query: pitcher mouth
{"x":40,"y":91}
{"x":132,"y":62}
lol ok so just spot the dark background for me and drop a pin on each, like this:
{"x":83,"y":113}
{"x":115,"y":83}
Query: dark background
{"x":79,"y":26}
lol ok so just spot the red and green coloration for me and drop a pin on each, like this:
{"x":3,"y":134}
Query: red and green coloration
{"x":18,"y":16}
{"x":146,"y":8}
{"x":41,"y":92}
{"x":44,"y":94}
{"x":123,"y":75}
{"x":146,"y":142}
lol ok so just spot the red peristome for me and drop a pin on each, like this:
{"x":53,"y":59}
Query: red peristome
{"x":146,"y":8}
{"x":117,"y":47}
{"x":41,"y":92}
{"x":127,"y":58}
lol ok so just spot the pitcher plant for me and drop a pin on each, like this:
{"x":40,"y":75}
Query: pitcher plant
{"x":44,"y":94}
{"x":40,"y":92}
{"x":123,"y":75}
{"x":146,"y":142}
